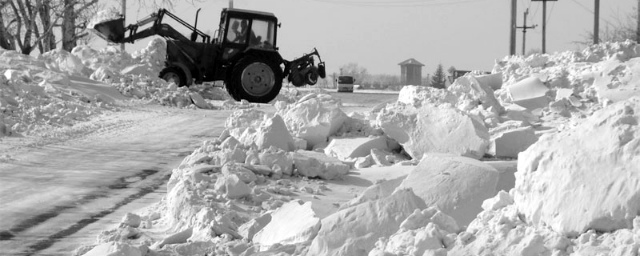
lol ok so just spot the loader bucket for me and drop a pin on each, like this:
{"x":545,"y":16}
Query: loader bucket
{"x":112,"y":30}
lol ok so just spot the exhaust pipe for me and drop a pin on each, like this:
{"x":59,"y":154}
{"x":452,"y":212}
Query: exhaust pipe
{"x":230,"y":4}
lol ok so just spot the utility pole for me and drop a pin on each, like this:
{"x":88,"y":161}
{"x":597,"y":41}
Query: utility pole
{"x":524,"y":30}
{"x":544,"y":23}
{"x":638,"y":25}
{"x":124,"y":15}
{"x":596,"y":22}
{"x":512,"y":28}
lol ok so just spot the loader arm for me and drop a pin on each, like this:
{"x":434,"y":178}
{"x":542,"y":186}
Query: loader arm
{"x":114,"y":31}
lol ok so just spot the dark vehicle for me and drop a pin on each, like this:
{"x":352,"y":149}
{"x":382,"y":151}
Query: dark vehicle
{"x":243,"y":53}
{"x":345,"y":83}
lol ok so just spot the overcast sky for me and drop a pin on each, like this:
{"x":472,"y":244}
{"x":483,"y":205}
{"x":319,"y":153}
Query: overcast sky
{"x":379,"y":34}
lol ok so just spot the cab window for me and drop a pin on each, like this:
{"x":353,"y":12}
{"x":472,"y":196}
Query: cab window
{"x":262,"y":34}
{"x":238,"y":29}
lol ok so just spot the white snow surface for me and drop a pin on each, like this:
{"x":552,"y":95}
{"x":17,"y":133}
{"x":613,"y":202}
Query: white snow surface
{"x":561,"y":177}
{"x":576,"y":187}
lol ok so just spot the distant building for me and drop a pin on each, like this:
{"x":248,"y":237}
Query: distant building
{"x":411,"y":72}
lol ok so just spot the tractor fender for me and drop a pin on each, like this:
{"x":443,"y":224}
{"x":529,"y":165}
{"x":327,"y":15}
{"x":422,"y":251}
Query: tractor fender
{"x":185,"y":70}
{"x":268,"y":54}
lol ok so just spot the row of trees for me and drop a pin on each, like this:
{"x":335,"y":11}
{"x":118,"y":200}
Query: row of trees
{"x":370,"y":81}
{"x":27,"y":25}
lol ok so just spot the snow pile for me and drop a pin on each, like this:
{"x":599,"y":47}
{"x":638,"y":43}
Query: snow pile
{"x":423,"y":232}
{"x":434,"y":128}
{"x":355,"y":230}
{"x":584,"y":164}
{"x":313,"y":118}
{"x":136,"y":75}
{"x":35,"y":96}
{"x":295,"y":222}
{"x":456,"y":185}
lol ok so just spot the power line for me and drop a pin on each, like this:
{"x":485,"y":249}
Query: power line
{"x":401,"y":3}
{"x":592,"y":12}
{"x":553,"y":5}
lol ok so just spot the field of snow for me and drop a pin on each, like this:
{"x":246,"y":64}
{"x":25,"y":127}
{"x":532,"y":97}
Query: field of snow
{"x":431,"y":173}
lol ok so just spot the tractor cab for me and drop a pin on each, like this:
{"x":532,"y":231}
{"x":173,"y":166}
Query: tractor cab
{"x":243,"y":29}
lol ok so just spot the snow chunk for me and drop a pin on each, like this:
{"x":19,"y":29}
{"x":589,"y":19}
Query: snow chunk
{"x":314,"y":118}
{"x":232,"y":186}
{"x":249,"y":229}
{"x":315,"y":164}
{"x":273,"y":132}
{"x":529,"y":93}
{"x":593,"y":169}
{"x":344,"y":148}
{"x":456,"y":185}
{"x":117,"y":249}
{"x":245,"y":118}
{"x":510,"y":142}
{"x":431,"y":128}
{"x":295,"y":222}
{"x":354,"y":231}
{"x":131,"y":219}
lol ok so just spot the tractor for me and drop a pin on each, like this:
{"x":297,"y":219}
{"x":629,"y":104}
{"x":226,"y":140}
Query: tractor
{"x":243,"y":53}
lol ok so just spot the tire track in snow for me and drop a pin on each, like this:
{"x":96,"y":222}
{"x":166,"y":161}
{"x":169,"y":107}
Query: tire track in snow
{"x":121,"y":183}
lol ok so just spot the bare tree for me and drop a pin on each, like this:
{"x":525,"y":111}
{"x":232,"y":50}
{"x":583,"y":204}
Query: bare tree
{"x":622,"y":27}
{"x":6,"y":39}
{"x":72,"y":31}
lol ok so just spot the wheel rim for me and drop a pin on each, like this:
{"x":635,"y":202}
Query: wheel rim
{"x":172,"y":77}
{"x":258,"y":79}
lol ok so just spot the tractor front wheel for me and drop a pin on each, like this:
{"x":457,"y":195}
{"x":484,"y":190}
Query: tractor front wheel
{"x":172,"y":74}
{"x":255,"y":80}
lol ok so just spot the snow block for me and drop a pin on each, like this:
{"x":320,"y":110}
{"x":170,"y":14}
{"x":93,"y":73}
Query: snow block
{"x":249,"y":229}
{"x":293,"y":223}
{"x":493,"y":81}
{"x":431,"y":129}
{"x":232,"y":186}
{"x":198,"y":100}
{"x":529,"y":93}
{"x":131,"y":219}
{"x":344,"y":148}
{"x":314,"y":118}
{"x":511,"y":142}
{"x":245,"y":175}
{"x":584,"y":178}
{"x":468,"y":88}
{"x":273,"y":157}
{"x":456,"y":185}
{"x":316,"y":164}
{"x":245,"y":118}
{"x":273,"y":132}
{"x":116,"y":249}
{"x":355,"y":230}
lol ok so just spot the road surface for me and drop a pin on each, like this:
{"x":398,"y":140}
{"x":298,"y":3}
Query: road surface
{"x":58,"y":194}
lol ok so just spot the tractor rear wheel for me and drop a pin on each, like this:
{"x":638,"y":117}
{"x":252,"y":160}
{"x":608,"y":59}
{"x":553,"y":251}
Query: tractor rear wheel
{"x":172,"y":74}
{"x":256,"y":79}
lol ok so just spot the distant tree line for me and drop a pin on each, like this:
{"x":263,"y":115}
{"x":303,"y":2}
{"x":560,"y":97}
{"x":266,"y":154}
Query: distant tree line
{"x":27,"y":25}
{"x":385,"y":81}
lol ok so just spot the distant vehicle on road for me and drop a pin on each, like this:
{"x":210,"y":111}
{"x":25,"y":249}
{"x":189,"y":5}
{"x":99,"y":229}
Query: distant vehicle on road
{"x":345,"y":83}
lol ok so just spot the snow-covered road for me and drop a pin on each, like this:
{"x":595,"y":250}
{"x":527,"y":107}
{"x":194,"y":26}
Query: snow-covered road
{"x":58,"y":193}
{"x":51,"y":192}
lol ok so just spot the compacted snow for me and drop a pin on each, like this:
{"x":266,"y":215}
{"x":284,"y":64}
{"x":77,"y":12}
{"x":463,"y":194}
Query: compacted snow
{"x":272,"y":182}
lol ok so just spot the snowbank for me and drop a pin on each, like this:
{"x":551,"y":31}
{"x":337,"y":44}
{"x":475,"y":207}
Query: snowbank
{"x":456,"y":185}
{"x":434,"y":129}
{"x":595,"y":164}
